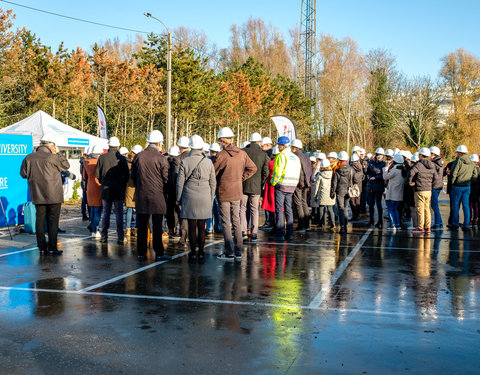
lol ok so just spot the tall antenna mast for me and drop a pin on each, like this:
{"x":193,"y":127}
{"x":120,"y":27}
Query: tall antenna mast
{"x":308,"y":42}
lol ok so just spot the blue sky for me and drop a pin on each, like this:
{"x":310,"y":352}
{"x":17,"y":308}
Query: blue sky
{"x":417,"y":32}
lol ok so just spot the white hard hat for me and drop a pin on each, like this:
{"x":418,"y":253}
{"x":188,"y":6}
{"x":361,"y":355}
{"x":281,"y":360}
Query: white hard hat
{"x":333,"y":155}
{"x":97,"y":149}
{"x":435,"y":150}
{"x":215,"y":147}
{"x":380,"y":151}
{"x":267,"y":141}
{"x":362,"y":151}
{"x":196,"y":142}
{"x":369,"y":155}
{"x":415,"y":157}
{"x":406,"y":154}
{"x":137,"y":149}
{"x":425,"y":151}
{"x":398,"y":158}
{"x":49,"y":137}
{"x":297,"y":143}
{"x":255,"y":137}
{"x":183,"y":142}
{"x":462,"y":149}
{"x":245,"y":144}
{"x":313,"y":159}
{"x":206,"y":147}
{"x":155,"y":136}
{"x":355,"y":158}
{"x":474,"y":158}
{"x":275,"y":150}
{"x":325,"y":163}
{"x":356,"y":148}
{"x":388,"y":152}
{"x":114,"y":142}
{"x":396,"y":151}
{"x":123,"y":151}
{"x":343,"y":156}
{"x":174,"y":151}
{"x":320,"y":155}
{"x":225,"y":133}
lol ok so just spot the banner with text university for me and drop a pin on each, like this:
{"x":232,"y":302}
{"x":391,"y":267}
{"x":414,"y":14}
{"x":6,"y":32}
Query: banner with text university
{"x":13,"y":188}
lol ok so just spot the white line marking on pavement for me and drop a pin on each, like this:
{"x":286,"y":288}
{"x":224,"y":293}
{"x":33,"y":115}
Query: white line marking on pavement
{"x":325,"y":291}
{"x":71,"y":219}
{"x":120,"y":277}
{"x":36,"y":247}
{"x":228,"y":302}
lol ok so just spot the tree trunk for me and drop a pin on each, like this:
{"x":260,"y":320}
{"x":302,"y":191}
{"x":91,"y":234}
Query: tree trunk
{"x":53,"y":108}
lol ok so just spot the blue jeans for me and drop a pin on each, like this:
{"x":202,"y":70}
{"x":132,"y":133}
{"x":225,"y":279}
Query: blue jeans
{"x":95,"y":214}
{"x":129,"y":217}
{"x":107,"y":210}
{"x":283,"y":201}
{"x":460,"y":194}
{"x":214,"y":221}
{"x":392,"y":207}
{"x":435,"y":208}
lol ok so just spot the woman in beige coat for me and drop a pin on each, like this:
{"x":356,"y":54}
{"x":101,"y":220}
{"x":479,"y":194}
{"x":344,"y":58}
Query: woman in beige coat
{"x":321,"y":193}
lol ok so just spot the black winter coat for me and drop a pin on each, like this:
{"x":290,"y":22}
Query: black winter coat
{"x":306,"y":174}
{"x":150,"y":176}
{"x":359,"y":175}
{"x":254,"y":184}
{"x":423,"y":173}
{"x":173,"y":166}
{"x":375,"y":170}
{"x":42,"y":169}
{"x":112,"y":172}
{"x":438,"y":182}
{"x":342,"y":179}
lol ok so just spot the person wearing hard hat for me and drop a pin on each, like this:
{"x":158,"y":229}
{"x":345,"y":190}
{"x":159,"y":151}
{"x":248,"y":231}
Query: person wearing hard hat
{"x":84,"y":205}
{"x":421,"y":177}
{"x":183,"y":144}
{"x":42,"y":169}
{"x":333,"y":159}
{"x":267,"y":145}
{"x":285,"y":178}
{"x":388,"y":155}
{"x":94,"y":190}
{"x":321,"y":194}
{"x":364,"y":194}
{"x":173,"y":210}
{"x":357,"y":167}
{"x":112,"y":173}
{"x":356,"y":150}
{"x":463,"y":171}
{"x":475,"y":192}
{"x":437,"y":187}
{"x":301,"y":192}
{"x":344,"y":183}
{"x":123,"y":151}
{"x":130,"y":194}
{"x":252,"y":187}
{"x":376,"y":186}
{"x":214,"y":224}
{"x":150,"y":175}
{"x":232,"y":167}
{"x":196,"y":185}
{"x":268,"y":202}
{"x":396,"y":176}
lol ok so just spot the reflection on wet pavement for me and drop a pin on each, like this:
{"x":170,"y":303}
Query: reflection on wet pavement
{"x":411,"y":300}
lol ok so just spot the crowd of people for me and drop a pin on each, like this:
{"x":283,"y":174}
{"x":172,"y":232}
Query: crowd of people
{"x":195,"y":189}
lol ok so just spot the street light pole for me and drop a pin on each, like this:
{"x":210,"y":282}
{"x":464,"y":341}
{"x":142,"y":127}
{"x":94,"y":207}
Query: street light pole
{"x":169,"y":81}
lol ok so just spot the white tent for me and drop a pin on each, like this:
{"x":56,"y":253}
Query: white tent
{"x":68,"y":138}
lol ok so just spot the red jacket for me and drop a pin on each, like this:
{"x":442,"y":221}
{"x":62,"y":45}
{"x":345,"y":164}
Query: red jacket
{"x":269,"y":193}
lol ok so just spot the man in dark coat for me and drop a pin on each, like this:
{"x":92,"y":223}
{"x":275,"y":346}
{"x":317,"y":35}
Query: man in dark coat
{"x":150,"y":176}
{"x":438,"y":187}
{"x":43,"y":169}
{"x":301,"y":192}
{"x":252,"y":187}
{"x":376,"y":186}
{"x":113,"y":174}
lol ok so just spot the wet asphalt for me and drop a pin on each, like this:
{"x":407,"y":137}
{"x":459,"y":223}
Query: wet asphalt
{"x":368,"y":302}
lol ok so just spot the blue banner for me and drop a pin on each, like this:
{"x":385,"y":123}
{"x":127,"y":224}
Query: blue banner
{"x":78,"y":141}
{"x":13,"y":188}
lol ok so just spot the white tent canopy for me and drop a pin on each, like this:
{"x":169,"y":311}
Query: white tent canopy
{"x":41,"y":123}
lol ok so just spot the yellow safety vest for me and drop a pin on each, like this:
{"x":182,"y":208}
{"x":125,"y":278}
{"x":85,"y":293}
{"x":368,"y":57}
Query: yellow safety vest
{"x":287,"y":169}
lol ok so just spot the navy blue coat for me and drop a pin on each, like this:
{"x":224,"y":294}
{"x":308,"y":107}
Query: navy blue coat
{"x":375,"y":170}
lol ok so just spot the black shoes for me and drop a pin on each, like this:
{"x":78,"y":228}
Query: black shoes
{"x":379,"y":225}
{"x":55,"y":252}
{"x":192,"y":258}
{"x":141,"y":257}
